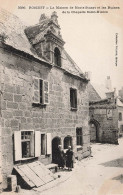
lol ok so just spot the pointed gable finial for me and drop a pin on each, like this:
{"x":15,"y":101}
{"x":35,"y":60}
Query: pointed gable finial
{"x":42,"y":17}
{"x":54,"y":17}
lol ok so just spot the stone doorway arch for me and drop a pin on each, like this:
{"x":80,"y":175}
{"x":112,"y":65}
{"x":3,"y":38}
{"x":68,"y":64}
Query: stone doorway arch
{"x":94,"y":127}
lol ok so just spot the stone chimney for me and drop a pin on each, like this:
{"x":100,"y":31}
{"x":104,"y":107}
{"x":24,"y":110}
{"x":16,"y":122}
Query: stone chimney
{"x":108,"y":84}
{"x":88,"y":75}
{"x":110,"y":94}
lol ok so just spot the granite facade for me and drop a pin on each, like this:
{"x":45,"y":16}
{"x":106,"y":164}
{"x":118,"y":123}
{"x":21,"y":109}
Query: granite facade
{"x":18,"y":112}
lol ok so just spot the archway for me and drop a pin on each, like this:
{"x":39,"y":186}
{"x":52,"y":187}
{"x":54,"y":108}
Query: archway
{"x":67,"y":142}
{"x":55,"y":143}
{"x":94,"y":130}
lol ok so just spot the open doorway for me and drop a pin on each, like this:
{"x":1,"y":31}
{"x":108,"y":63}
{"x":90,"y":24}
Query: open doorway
{"x":55,"y":143}
{"x":94,"y":131}
{"x":67,"y":142}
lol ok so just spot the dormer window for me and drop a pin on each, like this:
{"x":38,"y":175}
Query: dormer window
{"x":57,"y":57}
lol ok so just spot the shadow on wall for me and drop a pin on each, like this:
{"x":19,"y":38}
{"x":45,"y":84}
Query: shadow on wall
{"x":114,"y":163}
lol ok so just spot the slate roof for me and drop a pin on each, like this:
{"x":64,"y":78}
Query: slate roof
{"x":12,"y":29}
{"x":36,"y":34}
{"x":104,"y":103}
{"x":15,"y":33}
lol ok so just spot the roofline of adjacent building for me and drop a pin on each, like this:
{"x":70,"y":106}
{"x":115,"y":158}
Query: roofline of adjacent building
{"x":110,"y":106}
{"x":106,"y":100}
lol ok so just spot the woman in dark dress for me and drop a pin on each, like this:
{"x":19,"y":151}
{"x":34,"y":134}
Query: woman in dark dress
{"x":60,"y":157}
{"x":69,"y":159}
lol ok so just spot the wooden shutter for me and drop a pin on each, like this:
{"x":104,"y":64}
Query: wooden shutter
{"x":48,"y":143}
{"x":36,"y":91}
{"x":37,"y":143}
{"x":32,"y":143}
{"x":17,"y":145}
{"x":45,"y":92}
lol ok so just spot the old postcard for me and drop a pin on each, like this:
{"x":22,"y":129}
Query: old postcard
{"x":61,"y":97}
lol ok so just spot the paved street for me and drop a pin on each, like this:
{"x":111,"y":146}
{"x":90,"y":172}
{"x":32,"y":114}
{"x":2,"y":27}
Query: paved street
{"x":101,"y":174}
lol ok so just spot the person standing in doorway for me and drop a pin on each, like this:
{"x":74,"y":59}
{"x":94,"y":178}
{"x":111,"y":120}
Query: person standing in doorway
{"x":69,"y":158}
{"x":60,"y":157}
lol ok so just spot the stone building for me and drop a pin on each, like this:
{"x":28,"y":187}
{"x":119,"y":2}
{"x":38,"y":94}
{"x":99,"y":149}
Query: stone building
{"x":120,"y":94}
{"x":120,"y":117}
{"x":120,"y":112}
{"x":44,"y":97}
{"x":103,"y":113}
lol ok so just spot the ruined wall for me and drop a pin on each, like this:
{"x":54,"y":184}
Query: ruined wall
{"x":18,"y":112}
{"x":108,"y":128}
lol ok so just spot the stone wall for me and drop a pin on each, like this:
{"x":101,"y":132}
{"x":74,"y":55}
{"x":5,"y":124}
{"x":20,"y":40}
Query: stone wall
{"x":120,"y":122}
{"x":108,"y":128}
{"x":18,"y":112}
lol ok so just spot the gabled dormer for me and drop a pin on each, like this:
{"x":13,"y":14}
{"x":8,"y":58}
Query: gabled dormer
{"x":46,"y":39}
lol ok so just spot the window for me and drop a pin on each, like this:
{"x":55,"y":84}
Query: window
{"x":31,"y":144}
{"x":27,"y":144}
{"x":43,"y":144}
{"x":73,"y":98}
{"x":79,"y":136}
{"x":40,"y":91}
{"x":120,"y":116}
{"x":109,"y":113}
{"x":57,"y":57}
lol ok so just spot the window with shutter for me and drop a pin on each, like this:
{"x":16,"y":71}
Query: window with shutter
{"x":23,"y":144}
{"x":45,"y":92}
{"x":40,"y":91}
{"x":27,"y":144}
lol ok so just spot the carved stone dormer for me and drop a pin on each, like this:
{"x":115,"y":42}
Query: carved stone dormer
{"x":54,"y":42}
{"x":46,"y":39}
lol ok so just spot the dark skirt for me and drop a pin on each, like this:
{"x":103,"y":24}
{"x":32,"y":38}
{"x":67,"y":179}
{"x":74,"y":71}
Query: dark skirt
{"x":69,"y":159}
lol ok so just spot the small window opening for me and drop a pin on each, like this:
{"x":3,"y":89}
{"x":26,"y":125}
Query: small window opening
{"x":57,"y":57}
{"x":79,"y":136}
{"x":43,"y":146}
